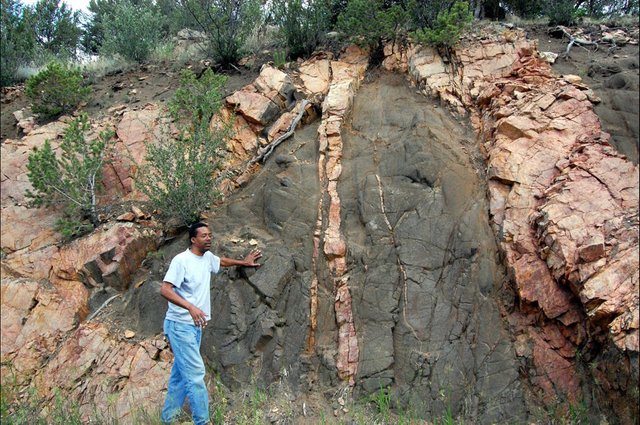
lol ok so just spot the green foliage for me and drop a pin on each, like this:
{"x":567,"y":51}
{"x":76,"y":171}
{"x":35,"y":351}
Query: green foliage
{"x":302,"y":24}
{"x":227,"y":23}
{"x":131,"y":30}
{"x":382,"y":401}
{"x":93,"y":34}
{"x":368,"y":22}
{"x":198,"y":99}
{"x":527,"y":9}
{"x":56,"y":27}
{"x":56,"y":90}
{"x":561,"y":12}
{"x":279,"y":58}
{"x":447,"y":28}
{"x":16,"y":40}
{"x":177,"y":174}
{"x":176,"y":17}
{"x":423,"y":13}
{"x":166,"y":13}
{"x":70,"y":179}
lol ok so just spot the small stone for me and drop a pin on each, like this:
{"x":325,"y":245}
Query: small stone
{"x":128,"y":216}
{"x":129,"y":334}
{"x":570,"y":78}
{"x":253,"y":242}
{"x":138,"y":212}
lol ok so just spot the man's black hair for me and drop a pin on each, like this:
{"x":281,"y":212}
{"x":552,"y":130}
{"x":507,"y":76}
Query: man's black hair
{"x":193,"y":229}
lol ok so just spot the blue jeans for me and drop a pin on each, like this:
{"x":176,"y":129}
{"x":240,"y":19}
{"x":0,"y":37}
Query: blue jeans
{"x":187,"y":374}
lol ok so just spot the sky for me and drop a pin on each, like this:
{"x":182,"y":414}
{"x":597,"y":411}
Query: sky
{"x":81,"y":5}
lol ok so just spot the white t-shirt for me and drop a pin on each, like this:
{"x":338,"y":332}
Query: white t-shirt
{"x":190,"y":275}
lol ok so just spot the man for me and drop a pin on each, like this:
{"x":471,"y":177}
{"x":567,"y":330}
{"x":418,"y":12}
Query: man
{"x":186,"y":287}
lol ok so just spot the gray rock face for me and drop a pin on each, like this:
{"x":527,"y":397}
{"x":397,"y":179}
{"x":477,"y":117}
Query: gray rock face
{"x":422,"y":267}
{"x":261,"y":317}
{"x":424,"y":271}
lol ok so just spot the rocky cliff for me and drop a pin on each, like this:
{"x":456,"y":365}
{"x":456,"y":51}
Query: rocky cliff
{"x":457,"y":229}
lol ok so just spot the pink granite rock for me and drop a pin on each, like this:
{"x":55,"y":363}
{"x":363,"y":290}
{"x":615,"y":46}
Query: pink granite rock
{"x":108,"y":256}
{"x":315,"y":75}
{"x":564,"y":205}
{"x":108,"y":376}
{"x":35,"y":318}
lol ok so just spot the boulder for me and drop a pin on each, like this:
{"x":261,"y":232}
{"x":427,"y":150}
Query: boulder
{"x":109,"y":256}
{"x":316,"y":76}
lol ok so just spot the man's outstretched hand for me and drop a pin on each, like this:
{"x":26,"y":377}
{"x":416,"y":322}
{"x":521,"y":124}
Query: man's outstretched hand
{"x":251,"y":259}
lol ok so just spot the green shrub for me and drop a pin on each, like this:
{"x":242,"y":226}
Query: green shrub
{"x":227,"y":23}
{"x":526,"y":9}
{"x":561,"y":12}
{"x":56,"y":28}
{"x":367,"y":22}
{"x":56,"y":90}
{"x":447,"y":28}
{"x":71,"y":179}
{"x":302,"y":25}
{"x":131,"y":30}
{"x":177,"y":175}
{"x":16,"y":41}
{"x":279,"y":58}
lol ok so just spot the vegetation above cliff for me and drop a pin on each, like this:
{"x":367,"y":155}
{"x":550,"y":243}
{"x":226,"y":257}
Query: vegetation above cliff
{"x":138,"y":30}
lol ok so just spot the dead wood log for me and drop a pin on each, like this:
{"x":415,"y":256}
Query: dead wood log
{"x":264,"y":152}
{"x":574,"y":40}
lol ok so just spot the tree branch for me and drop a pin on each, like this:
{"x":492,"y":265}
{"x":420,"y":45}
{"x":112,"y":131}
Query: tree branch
{"x":263,"y":153}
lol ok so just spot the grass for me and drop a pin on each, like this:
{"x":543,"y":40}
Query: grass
{"x":251,"y":405}
{"x":382,"y":400}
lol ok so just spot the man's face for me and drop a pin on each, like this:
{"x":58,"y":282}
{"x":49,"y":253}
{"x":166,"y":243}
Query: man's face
{"x":202,"y":240}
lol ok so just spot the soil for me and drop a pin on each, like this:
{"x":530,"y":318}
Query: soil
{"x":612,"y":72}
{"x":135,"y":87}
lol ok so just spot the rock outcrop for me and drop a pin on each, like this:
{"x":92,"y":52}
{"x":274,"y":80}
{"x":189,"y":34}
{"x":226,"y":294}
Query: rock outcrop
{"x":385,"y":265}
{"x":564,"y":208}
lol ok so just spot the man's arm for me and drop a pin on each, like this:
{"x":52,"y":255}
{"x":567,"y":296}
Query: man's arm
{"x":198,"y":316}
{"x":248,"y":261}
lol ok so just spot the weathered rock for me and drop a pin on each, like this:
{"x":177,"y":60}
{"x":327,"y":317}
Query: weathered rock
{"x":261,"y":102}
{"x":14,"y":158}
{"x":276,"y":85}
{"x":253,"y":106}
{"x":35,"y":318}
{"x":270,"y":280}
{"x":31,"y":228}
{"x":316,"y":76}
{"x":107,"y":257}
{"x":243,"y":142}
{"x":134,"y":129}
{"x":564,"y":205}
{"x":395,"y":58}
{"x":346,"y":78}
{"x":92,"y":366}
